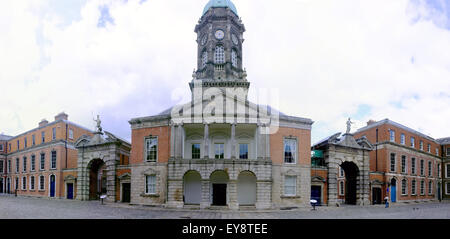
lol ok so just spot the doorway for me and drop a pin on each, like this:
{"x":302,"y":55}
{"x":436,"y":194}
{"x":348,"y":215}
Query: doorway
{"x":376,"y":196}
{"x":192,"y":188}
{"x":316,"y":194}
{"x":52,"y":186}
{"x":246,"y":188}
{"x":393,"y":190}
{"x":126,"y":192}
{"x":1,"y":185}
{"x":219,"y":194}
{"x":70,"y":191}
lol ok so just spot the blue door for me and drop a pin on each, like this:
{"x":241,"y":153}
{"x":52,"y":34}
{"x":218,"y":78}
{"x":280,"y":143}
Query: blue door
{"x":393,"y":194}
{"x":316,"y":193}
{"x":70,"y":191}
{"x":52,"y":186}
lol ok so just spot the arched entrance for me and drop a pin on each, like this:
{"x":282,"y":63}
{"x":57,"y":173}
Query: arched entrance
{"x":393,"y":190}
{"x":351,"y":174}
{"x":219,"y":180}
{"x":246,"y":188}
{"x":97,"y":179}
{"x":192,"y":188}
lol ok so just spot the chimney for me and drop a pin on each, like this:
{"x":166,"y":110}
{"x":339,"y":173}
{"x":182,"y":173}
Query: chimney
{"x":371,"y":122}
{"x":43,"y":122}
{"x":61,"y":116}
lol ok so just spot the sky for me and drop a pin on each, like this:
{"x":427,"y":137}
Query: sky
{"x":329,"y":60}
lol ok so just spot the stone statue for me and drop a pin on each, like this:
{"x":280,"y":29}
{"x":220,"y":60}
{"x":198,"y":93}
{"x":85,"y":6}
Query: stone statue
{"x":98,"y":121}
{"x":349,"y":125}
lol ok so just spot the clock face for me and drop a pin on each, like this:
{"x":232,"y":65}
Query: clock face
{"x":204,"y":39}
{"x":220,"y":34}
{"x":234,"y":39}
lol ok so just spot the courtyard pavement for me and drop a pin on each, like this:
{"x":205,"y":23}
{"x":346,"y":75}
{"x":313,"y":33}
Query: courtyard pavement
{"x":40,"y":208}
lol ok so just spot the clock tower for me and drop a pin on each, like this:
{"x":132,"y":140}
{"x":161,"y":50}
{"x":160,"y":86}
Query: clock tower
{"x":219,"y":39}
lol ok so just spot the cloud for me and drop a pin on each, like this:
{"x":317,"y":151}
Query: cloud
{"x":329,"y":60}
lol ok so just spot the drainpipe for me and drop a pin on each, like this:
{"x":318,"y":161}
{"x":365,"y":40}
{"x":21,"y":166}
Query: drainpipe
{"x":376,"y":153}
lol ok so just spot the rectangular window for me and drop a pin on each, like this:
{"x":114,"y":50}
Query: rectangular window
{"x":447,"y":171}
{"x":421,"y":145}
{"x":422,"y":187}
{"x":17,"y":165}
{"x":430,"y":167}
{"x":404,"y":186}
{"x":341,"y":172}
{"x":41,"y":182}
{"x":18,"y":145}
{"x":429,"y":148}
{"x":290,"y":185}
{"x":42,"y":137}
{"x":413,"y":187}
{"x":196,"y":151}
{"x":25,"y":143}
{"x":402,"y":139}
{"x":290,"y":151}
{"x":448,"y":151}
{"x":447,"y":188}
{"x":392,"y":162}
{"x":219,"y":151}
{"x":413,"y":143}
{"x":9,"y":147}
{"x":151,"y":149}
{"x":9,"y":166}
{"x":24,"y":183}
{"x":1,"y":166}
{"x":437,"y":152}
{"x":392,"y":135}
{"x":32,"y":183}
{"x":53,"y":160}
{"x":17,"y":183}
{"x":1,"y":147}
{"x":33,"y":140}
{"x":53,"y":133}
{"x":24,"y":164}
{"x":430,"y":187}
{"x":70,"y":133}
{"x":422,"y":165}
{"x":42,"y":161}
{"x":33,"y":162}
{"x":403,"y":164}
{"x":150,"y":184}
{"x":243,"y":151}
{"x":341,"y":188}
{"x":413,"y":166}
{"x":439,"y":170}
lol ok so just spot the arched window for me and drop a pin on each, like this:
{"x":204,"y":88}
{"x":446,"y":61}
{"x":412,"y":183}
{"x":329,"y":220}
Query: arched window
{"x":219,"y":55}
{"x":234,"y":60}
{"x":204,"y":59}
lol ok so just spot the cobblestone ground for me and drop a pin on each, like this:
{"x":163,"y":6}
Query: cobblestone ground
{"x":37,"y":208}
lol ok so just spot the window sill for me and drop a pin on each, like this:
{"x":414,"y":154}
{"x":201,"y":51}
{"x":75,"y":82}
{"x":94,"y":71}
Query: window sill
{"x":290,"y":196}
{"x":149,"y":195}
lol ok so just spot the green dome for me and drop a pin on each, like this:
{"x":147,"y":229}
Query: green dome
{"x":220,"y":3}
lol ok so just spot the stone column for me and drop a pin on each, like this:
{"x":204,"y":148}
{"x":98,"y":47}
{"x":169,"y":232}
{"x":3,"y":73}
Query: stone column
{"x":233,"y":140}
{"x":263,"y":195}
{"x":172,"y":140}
{"x":332,"y":183}
{"x":111,"y":177}
{"x":260,"y":144}
{"x":232,"y":195}
{"x":175,"y":194}
{"x":205,"y":201}
{"x":206,"y":141}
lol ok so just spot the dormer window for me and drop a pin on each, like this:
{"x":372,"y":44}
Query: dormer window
{"x":219,"y":55}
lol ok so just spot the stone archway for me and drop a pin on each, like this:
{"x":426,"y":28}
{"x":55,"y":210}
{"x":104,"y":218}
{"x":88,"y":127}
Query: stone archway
{"x":192,"y":188}
{"x":97,"y":178}
{"x":351,"y":178}
{"x":219,"y":181}
{"x":246,"y":188}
